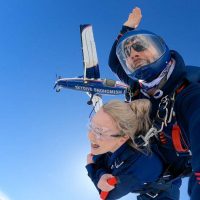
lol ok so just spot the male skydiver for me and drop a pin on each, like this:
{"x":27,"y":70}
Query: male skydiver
{"x":142,"y":60}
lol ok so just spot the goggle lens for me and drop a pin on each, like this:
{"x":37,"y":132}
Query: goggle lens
{"x":136,"y":47}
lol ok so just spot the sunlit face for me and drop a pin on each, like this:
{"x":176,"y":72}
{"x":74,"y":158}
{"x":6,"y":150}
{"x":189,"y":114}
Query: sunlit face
{"x":139,"y":52}
{"x":104,"y":135}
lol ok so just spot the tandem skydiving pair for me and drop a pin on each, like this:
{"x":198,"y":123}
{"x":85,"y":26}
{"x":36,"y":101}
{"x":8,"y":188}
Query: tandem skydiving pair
{"x":142,"y":60}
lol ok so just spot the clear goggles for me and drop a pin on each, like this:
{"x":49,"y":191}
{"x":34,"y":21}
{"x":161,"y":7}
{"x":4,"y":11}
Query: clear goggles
{"x":102,"y":133}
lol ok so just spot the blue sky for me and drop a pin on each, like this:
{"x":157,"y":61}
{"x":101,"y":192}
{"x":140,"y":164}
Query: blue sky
{"x":43,"y":144}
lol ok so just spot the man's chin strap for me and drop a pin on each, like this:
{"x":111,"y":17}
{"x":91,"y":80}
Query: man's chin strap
{"x":158,"y":83}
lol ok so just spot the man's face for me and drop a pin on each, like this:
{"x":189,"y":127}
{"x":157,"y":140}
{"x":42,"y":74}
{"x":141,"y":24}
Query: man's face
{"x":139,"y":52}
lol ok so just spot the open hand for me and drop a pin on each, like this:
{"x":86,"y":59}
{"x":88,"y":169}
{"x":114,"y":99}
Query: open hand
{"x":134,"y":18}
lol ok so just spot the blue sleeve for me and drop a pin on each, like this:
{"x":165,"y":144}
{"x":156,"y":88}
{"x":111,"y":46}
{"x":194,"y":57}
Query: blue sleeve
{"x":114,"y":63}
{"x":97,"y":169}
{"x":188,"y":116}
{"x":95,"y":173}
{"x":131,"y":176}
{"x":135,"y":175}
{"x":126,"y":183}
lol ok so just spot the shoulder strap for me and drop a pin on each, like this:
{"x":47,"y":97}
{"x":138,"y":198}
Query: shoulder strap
{"x":178,"y":141}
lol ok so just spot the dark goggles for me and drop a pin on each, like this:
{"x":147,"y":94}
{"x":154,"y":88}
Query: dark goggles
{"x":138,"y":47}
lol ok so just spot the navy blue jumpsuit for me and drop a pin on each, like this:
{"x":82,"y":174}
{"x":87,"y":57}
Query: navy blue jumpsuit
{"x":187,"y":109}
{"x":133,"y":170}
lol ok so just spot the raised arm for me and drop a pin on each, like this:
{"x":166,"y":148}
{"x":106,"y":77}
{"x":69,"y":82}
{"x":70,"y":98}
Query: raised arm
{"x":130,"y":24}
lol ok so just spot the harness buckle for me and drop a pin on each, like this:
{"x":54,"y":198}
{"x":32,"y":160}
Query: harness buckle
{"x":159,"y":127}
{"x":183,"y":154}
{"x":145,"y":139}
{"x":162,"y":112}
{"x":152,"y":195}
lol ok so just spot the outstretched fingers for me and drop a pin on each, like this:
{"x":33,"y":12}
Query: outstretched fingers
{"x":134,"y":18}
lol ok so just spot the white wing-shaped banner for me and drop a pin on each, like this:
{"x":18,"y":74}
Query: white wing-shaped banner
{"x":90,"y":60}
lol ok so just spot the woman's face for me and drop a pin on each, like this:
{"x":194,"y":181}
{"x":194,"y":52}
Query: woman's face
{"x":104,"y":135}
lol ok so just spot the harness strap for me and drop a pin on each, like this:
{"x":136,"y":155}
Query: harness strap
{"x":178,"y":141}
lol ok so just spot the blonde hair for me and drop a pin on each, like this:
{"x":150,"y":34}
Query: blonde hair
{"x":132,"y":118}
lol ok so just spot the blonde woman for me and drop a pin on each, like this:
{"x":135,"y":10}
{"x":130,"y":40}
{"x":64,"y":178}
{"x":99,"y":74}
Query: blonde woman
{"x":112,"y":133}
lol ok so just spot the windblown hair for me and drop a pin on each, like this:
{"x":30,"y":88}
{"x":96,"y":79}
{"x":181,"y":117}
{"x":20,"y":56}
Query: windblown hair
{"x":132,"y":118}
